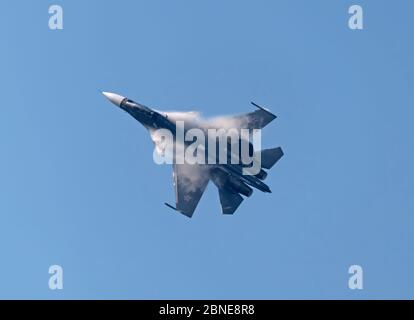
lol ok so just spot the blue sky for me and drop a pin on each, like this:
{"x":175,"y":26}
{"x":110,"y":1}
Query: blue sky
{"x":79,"y":188}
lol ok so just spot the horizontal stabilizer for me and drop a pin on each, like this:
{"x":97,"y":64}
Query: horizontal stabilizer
{"x":230,"y":201}
{"x":270,"y":157}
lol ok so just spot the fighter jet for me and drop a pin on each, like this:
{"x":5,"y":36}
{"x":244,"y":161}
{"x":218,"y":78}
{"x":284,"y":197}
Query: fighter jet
{"x":190,"y":180}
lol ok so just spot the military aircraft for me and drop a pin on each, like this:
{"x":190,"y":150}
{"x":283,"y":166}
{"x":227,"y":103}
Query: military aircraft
{"x":190,"y":180}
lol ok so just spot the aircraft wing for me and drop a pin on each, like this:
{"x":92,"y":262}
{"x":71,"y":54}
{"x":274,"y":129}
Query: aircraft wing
{"x":190,"y":181}
{"x":257,"y":119}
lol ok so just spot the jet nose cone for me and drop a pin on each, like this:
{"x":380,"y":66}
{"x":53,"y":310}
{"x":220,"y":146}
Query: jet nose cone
{"x":116,"y":99}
